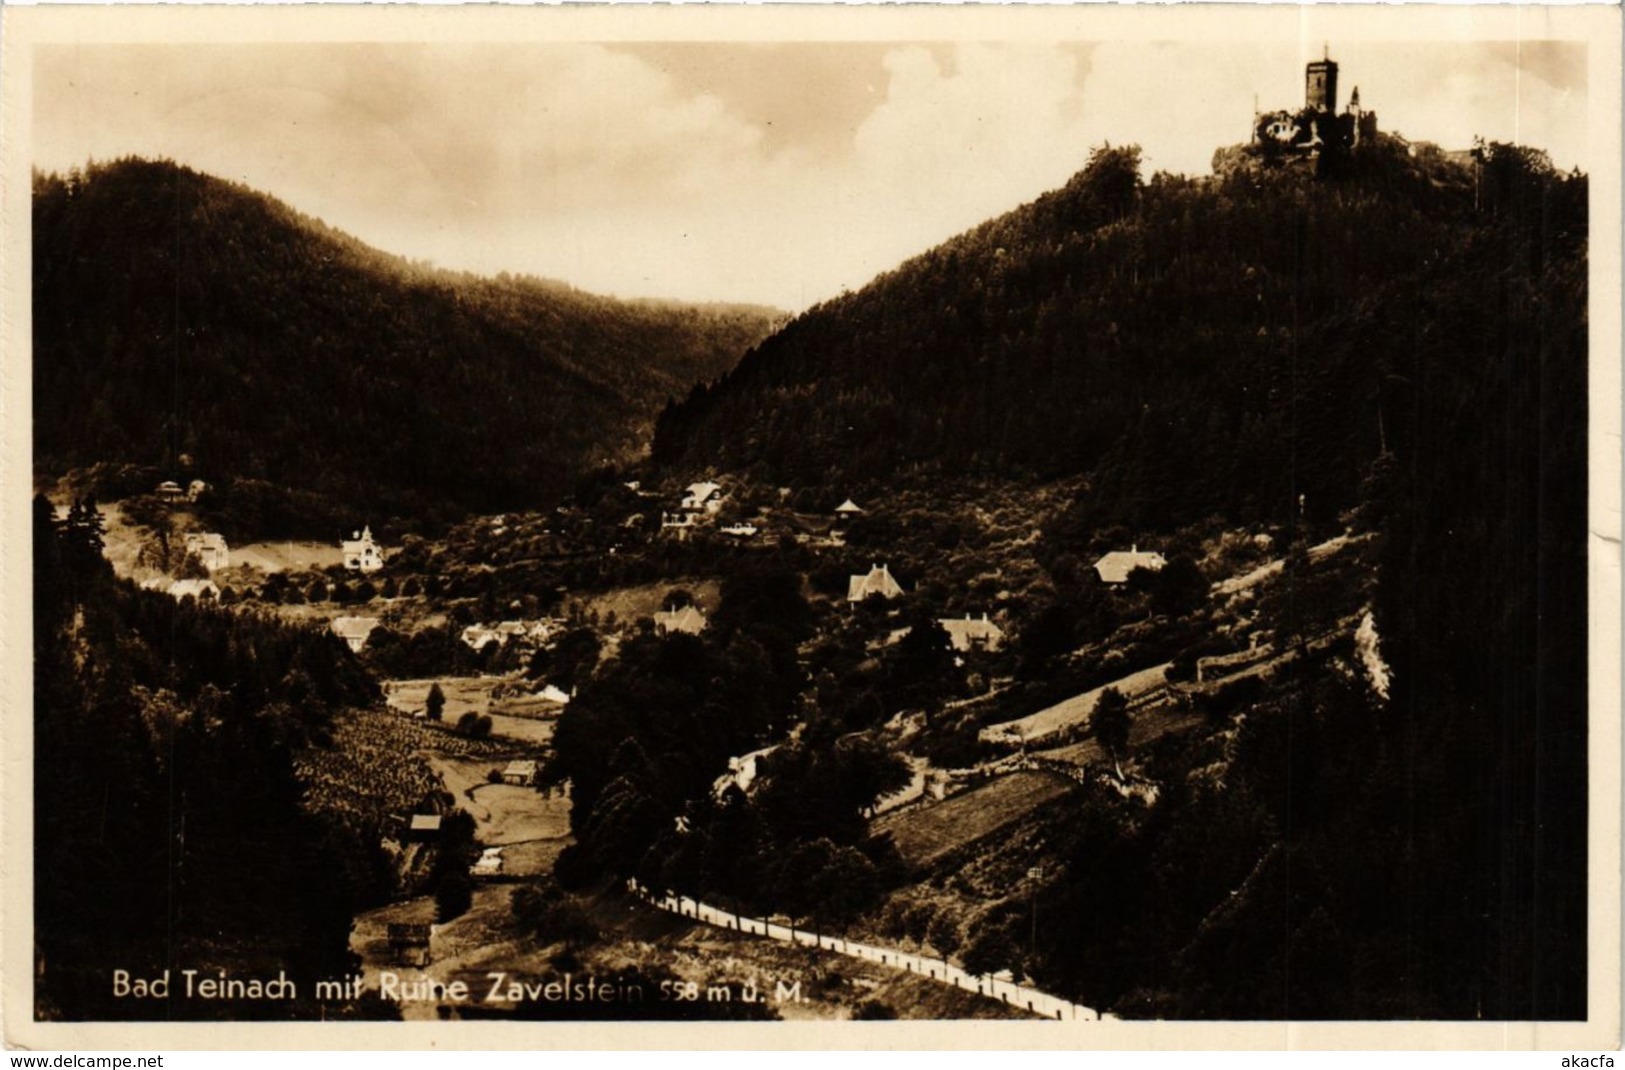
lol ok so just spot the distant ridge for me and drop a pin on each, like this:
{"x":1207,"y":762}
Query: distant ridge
{"x":181,"y":317}
{"x":1179,"y":340}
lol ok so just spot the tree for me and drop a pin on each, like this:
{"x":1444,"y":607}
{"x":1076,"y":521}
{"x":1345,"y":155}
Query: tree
{"x":570,"y":661}
{"x":1050,"y":635}
{"x":1110,"y":721}
{"x":452,"y":897}
{"x":434,"y":706}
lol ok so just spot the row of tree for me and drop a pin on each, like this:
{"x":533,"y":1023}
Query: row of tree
{"x":168,"y":819}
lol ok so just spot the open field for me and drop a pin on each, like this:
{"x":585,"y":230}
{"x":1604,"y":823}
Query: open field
{"x":518,"y":718}
{"x":925,"y":833}
{"x":1076,"y":710}
{"x":507,"y":814}
{"x":645,"y":600}
{"x":287,"y":556}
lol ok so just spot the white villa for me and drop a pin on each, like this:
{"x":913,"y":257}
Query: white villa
{"x":210,"y":548}
{"x":361,"y":552}
{"x":1116,"y":566}
{"x":878,"y":581}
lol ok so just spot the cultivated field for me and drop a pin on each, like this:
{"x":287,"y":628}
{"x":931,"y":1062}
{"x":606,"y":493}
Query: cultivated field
{"x":371,"y":769}
{"x":925,"y":833}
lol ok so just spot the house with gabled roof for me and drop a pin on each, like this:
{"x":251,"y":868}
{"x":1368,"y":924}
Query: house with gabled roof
{"x":689,"y":621}
{"x":878,"y":581}
{"x":1116,"y":566}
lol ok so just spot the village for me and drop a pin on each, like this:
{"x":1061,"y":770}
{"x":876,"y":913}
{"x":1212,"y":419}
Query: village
{"x":480,"y":639}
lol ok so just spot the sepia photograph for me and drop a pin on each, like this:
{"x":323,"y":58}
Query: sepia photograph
{"x":806,"y":518}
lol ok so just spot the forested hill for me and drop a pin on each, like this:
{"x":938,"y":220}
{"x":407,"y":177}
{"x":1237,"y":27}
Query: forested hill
{"x":175,"y":313}
{"x":1202,"y":346}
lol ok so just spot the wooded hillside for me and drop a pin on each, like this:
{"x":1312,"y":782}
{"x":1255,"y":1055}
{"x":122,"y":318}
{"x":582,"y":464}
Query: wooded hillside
{"x":178,"y":314}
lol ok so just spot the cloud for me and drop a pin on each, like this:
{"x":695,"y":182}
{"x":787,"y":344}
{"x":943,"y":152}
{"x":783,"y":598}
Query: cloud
{"x":779,"y":173}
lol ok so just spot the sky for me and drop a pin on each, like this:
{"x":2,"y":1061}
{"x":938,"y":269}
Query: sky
{"x":775,"y":173}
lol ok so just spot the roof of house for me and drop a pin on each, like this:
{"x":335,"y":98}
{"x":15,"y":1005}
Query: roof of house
{"x":1116,"y":566}
{"x":688,"y":619}
{"x":169,"y":486}
{"x":359,"y":538}
{"x":878,"y":581}
{"x":700,"y":493}
{"x":520,"y":768}
{"x":209,"y":540}
{"x":425,"y":822}
{"x":553,"y":693}
{"x":849,"y":506}
{"x":967,"y":632}
{"x":348,"y":628}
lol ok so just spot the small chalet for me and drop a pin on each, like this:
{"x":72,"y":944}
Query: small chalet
{"x":361,"y":552}
{"x":423,"y":828}
{"x":740,"y":531}
{"x":210,"y":548}
{"x":878,"y":581}
{"x":677,"y":524}
{"x":354,"y":630}
{"x":1116,"y":566}
{"x":489,"y":864}
{"x":170,"y":489}
{"x":968,"y":634}
{"x":522,"y":773}
{"x":688,"y":620}
{"x":198,"y":589}
{"x":706,"y":496}
{"x":409,"y":942}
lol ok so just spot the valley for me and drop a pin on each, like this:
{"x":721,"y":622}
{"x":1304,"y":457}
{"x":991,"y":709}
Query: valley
{"x":1123,"y":598}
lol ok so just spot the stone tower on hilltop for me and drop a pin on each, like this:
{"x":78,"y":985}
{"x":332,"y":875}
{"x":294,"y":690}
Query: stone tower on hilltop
{"x":1318,"y":129}
{"x":1320,"y":84}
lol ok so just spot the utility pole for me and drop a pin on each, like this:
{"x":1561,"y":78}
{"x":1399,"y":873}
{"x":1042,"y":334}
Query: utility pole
{"x":1035,"y":874}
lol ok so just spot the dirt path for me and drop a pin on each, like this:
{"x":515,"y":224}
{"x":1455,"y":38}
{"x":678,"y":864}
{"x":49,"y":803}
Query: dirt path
{"x":1273,"y":568}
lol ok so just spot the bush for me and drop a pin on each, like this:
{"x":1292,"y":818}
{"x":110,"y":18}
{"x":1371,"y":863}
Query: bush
{"x":452,"y":897}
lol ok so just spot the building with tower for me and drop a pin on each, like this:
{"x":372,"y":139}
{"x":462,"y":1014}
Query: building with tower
{"x":1317,"y":128}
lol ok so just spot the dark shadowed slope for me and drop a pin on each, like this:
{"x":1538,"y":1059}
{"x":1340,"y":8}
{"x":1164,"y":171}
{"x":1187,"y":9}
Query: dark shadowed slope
{"x":175,"y":313}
